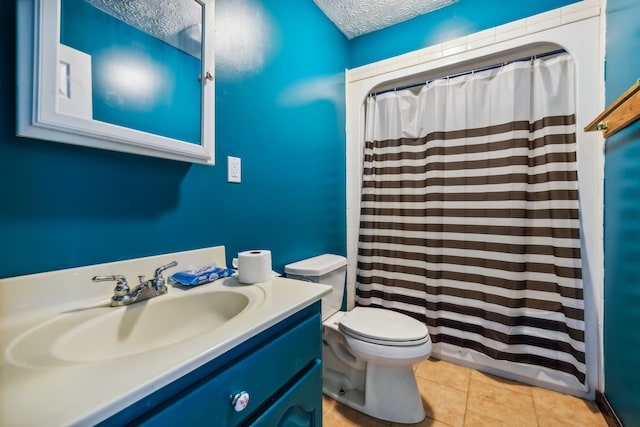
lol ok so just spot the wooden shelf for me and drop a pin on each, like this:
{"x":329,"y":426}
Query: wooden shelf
{"x":620,"y":114}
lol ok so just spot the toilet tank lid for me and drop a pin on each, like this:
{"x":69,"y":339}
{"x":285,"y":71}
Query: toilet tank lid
{"x":316,"y":266}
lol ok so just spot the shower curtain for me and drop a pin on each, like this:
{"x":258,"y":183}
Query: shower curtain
{"x":470,"y":217}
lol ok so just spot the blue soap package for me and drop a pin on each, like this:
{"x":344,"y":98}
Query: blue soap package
{"x":202,"y":275}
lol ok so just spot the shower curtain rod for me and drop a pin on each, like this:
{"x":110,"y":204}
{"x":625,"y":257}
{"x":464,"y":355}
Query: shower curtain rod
{"x":475,"y":70}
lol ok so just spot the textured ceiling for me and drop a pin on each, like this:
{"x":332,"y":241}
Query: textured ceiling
{"x":160,"y":19}
{"x":357,"y":17}
{"x":177,"y":22}
{"x":164,"y":19}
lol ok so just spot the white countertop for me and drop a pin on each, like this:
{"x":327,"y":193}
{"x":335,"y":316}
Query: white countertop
{"x":87,"y":393}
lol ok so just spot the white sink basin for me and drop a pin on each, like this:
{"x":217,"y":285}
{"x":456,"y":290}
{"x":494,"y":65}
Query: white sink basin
{"x":78,"y":361}
{"x":105,"y":333}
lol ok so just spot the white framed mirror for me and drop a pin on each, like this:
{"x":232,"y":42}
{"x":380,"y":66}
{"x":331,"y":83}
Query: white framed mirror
{"x":135,"y":76}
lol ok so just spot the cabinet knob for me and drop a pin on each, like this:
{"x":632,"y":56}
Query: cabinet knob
{"x":240,"y":401}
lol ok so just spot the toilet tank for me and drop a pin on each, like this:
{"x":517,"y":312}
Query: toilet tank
{"x":327,"y":269}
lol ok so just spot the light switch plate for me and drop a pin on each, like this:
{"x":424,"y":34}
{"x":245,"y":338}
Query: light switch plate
{"x":233,"y":169}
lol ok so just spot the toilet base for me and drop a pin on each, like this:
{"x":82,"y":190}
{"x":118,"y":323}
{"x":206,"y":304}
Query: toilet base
{"x":391,"y":394}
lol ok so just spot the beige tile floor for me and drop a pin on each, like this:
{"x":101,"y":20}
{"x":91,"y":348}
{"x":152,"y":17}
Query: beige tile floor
{"x":455,"y":396}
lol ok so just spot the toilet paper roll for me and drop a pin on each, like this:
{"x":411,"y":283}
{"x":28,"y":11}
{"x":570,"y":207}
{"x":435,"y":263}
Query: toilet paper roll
{"x":254,"y":266}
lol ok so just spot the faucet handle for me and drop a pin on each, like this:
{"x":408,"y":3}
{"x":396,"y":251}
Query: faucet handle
{"x":121,"y":288}
{"x":159,"y":270}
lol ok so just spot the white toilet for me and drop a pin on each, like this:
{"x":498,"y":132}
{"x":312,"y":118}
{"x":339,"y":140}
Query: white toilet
{"x":368,"y":353}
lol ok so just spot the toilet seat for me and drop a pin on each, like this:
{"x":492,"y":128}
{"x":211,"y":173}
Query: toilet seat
{"x":384,"y":327}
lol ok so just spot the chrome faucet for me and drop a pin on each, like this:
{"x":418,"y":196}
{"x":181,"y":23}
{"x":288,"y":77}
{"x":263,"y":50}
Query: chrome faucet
{"x":124,"y":295}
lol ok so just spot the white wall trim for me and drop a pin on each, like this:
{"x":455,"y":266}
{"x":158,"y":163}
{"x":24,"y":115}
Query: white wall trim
{"x":513,"y":30}
{"x":556,"y":28}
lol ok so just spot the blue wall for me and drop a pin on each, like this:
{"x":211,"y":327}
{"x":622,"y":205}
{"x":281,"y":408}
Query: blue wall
{"x":66,"y":206}
{"x":460,"y":19}
{"x":622,"y":221}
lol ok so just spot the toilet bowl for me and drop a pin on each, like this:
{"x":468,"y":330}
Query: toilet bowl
{"x":368,"y":353}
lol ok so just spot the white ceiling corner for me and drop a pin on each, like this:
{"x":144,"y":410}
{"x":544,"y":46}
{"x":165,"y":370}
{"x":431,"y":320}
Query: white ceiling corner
{"x":357,"y":17}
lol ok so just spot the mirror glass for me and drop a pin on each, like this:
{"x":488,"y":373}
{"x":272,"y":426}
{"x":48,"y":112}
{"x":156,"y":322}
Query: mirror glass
{"x":125,"y":75}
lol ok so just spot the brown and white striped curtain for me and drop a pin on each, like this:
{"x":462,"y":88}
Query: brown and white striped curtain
{"x":470,"y":216}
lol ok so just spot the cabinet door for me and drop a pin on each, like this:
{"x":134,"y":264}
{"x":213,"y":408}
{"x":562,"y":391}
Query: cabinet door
{"x":299,"y":406}
{"x":262,"y":373}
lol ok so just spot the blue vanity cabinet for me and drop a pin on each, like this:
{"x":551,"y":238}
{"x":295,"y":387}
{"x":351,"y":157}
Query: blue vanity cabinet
{"x":280,"y":369}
